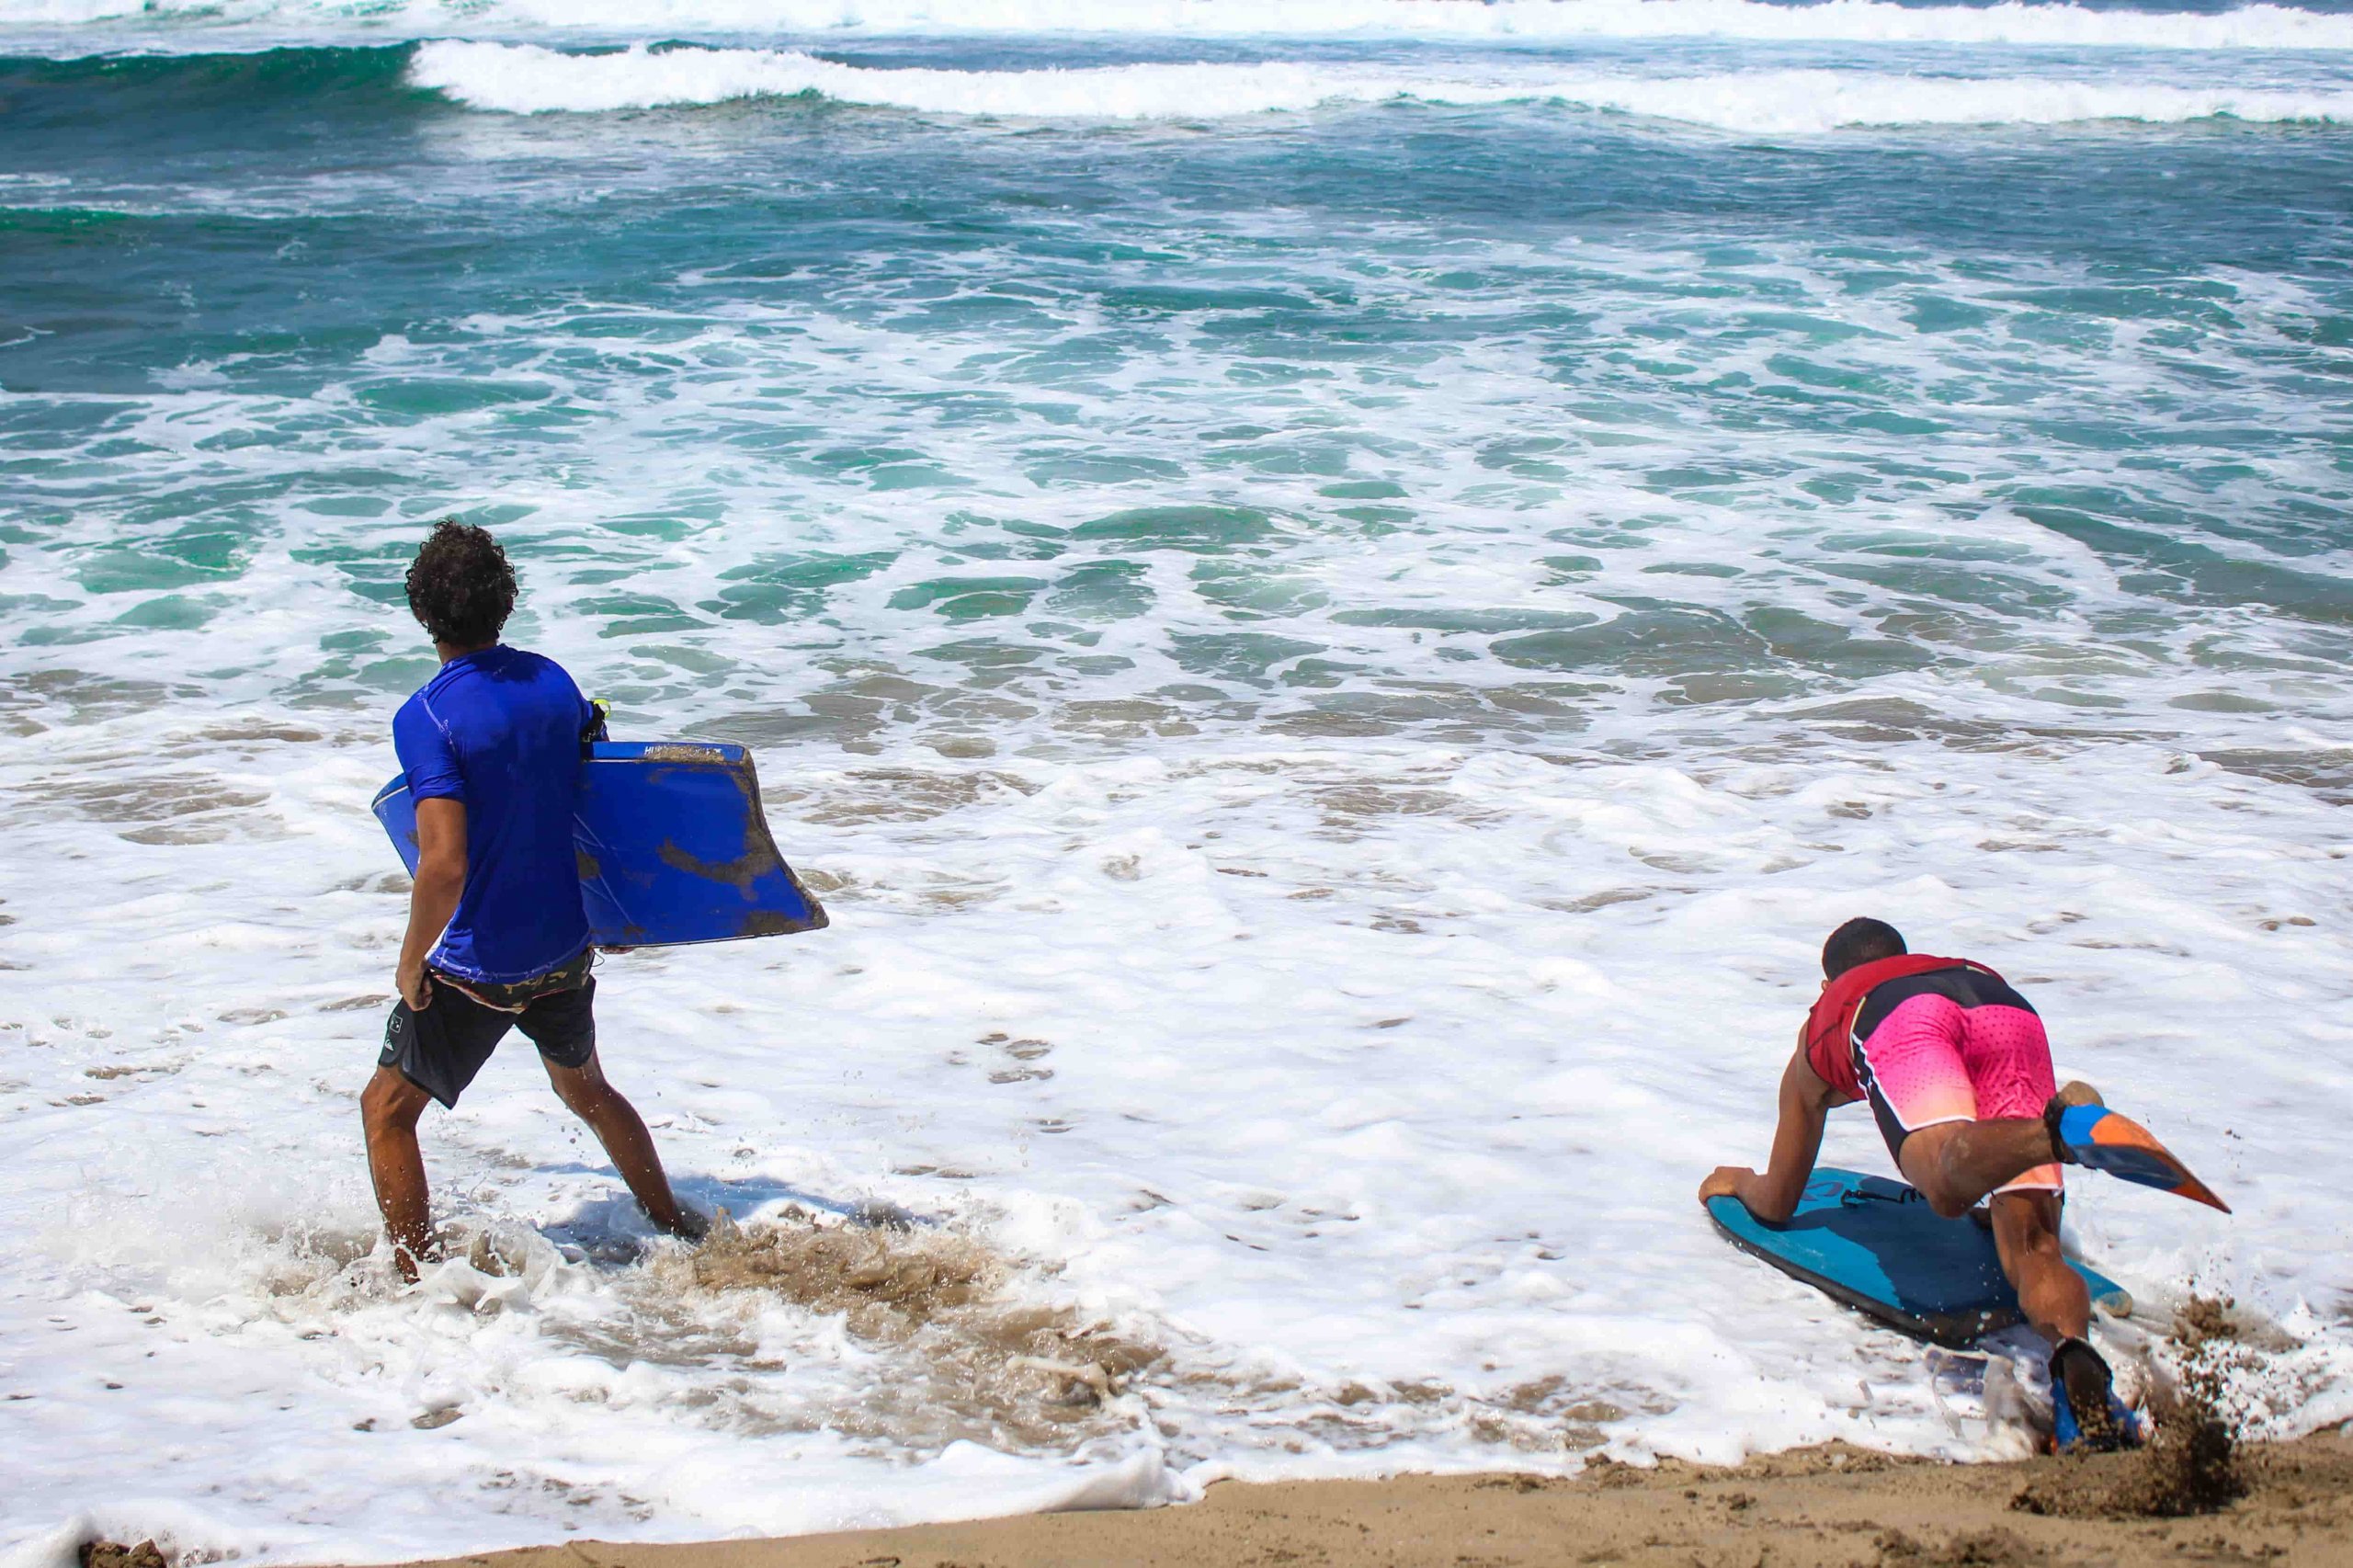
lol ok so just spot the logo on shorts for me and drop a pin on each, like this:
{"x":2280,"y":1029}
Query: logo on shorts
{"x":1862,"y":1065}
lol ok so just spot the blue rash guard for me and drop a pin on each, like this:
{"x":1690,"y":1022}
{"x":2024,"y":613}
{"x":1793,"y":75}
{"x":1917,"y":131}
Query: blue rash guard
{"x":499,"y":730}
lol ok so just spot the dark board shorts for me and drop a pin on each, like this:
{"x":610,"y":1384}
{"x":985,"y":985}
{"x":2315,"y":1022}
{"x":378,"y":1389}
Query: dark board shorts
{"x":441,"y":1049}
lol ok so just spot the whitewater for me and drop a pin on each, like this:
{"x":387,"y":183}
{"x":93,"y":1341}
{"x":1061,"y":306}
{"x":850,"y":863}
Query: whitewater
{"x":1334,"y":596}
{"x":530,"y":79}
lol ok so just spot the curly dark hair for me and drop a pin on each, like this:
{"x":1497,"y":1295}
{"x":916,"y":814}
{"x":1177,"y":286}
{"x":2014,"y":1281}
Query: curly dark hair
{"x":1860,"y":940}
{"x":460,"y":586}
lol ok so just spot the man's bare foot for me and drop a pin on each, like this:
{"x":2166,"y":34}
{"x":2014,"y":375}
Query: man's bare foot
{"x":688,"y":1224}
{"x":410,"y":1261}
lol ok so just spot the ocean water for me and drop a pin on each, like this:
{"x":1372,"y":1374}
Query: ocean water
{"x":1335,"y":593}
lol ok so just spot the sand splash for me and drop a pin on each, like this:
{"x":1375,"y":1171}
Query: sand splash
{"x":972,"y":1352}
{"x":2193,"y":1464}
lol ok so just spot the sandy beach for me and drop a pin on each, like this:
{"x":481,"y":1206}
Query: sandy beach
{"x":1824,"y":1507}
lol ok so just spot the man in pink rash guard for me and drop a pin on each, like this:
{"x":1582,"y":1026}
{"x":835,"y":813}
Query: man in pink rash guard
{"x":1957,"y":1072}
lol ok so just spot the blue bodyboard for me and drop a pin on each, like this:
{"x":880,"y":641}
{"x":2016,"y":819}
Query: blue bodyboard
{"x":672,"y":847}
{"x":1876,"y":1246}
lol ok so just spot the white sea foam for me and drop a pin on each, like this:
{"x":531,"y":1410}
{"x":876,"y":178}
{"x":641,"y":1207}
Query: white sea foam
{"x":530,"y":79}
{"x":1861,"y":21}
{"x":1370,"y":1080}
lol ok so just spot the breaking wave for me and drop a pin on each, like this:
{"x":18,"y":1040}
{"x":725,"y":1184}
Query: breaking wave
{"x":529,"y":79}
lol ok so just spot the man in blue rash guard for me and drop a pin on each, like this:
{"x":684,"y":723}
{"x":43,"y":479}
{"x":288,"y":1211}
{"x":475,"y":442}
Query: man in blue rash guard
{"x":497,"y":938}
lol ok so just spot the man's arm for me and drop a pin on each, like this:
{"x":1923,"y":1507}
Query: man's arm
{"x":433,"y":899}
{"x":1773,"y":1195}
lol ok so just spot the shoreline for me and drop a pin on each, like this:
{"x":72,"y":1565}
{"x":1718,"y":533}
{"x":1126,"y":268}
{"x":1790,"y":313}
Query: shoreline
{"x":1829,"y":1507}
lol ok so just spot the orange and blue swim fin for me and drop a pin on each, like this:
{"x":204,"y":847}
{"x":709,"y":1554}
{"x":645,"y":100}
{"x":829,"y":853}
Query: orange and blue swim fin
{"x":2099,"y":1139}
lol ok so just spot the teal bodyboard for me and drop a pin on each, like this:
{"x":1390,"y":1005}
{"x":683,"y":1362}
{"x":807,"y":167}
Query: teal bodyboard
{"x":672,"y":847}
{"x":1877,"y":1246}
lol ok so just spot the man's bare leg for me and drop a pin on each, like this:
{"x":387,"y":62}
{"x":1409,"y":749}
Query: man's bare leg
{"x":1955,"y":1163}
{"x":623,"y":1131}
{"x":389,"y":1107}
{"x":2058,"y":1306}
{"x":2054,"y":1296}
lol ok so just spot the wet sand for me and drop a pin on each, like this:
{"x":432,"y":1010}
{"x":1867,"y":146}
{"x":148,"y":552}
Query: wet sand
{"x":1826,"y":1507}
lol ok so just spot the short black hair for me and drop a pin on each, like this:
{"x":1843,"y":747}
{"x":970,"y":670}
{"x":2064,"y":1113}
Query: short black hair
{"x":460,"y":586}
{"x":1859,"y":940}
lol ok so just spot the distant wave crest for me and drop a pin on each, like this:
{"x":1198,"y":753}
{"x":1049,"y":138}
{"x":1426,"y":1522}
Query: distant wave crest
{"x":529,"y":79}
{"x":2248,"y":26}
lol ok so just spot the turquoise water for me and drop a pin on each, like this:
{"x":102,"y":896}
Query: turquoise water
{"x":1367,"y":419}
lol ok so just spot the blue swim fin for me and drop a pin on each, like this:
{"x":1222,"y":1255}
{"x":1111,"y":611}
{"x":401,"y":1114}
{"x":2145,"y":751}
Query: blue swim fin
{"x":2099,"y":1139}
{"x":2080,"y":1380}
